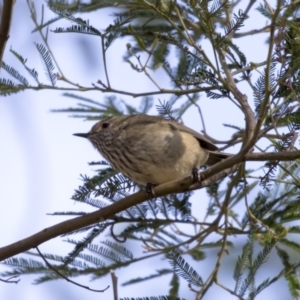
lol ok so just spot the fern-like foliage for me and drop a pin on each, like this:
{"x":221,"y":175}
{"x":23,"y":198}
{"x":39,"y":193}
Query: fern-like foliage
{"x":183,"y":269}
{"x":154,"y":298}
{"x":158,"y":273}
{"x":246,"y":261}
{"x":236,"y":23}
{"x":90,"y":109}
{"x":289,"y":272}
{"x":83,"y":26}
{"x":13,"y":72}
{"x":165,"y":109}
{"x":7,"y":87}
{"x":33,"y":73}
{"x":48,"y":61}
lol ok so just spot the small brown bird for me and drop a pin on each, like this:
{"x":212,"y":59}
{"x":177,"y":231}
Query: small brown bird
{"x":151,"y":149}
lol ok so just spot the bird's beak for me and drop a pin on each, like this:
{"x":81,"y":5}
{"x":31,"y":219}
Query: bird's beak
{"x":84,"y":135}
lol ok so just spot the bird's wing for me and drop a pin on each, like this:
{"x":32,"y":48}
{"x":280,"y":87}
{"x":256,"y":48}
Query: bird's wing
{"x":214,"y":155}
{"x":146,"y":119}
{"x":204,"y":142}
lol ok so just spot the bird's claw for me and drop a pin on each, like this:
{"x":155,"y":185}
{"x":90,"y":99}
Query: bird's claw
{"x":196,"y":176}
{"x":149,"y":190}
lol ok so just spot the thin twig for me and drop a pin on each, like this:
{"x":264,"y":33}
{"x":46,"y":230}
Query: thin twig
{"x":40,"y":30}
{"x":114,"y":280}
{"x":252,"y":32}
{"x":66,"y":278}
{"x":143,"y":68}
{"x":104,"y":62}
{"x":9,"y":280}
{"x":6,"y":17}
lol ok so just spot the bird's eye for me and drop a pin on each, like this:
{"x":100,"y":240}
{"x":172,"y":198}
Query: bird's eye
{"x":105,"y":125}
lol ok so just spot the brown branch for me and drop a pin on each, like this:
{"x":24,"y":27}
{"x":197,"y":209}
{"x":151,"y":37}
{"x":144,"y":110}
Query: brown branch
{"x":6,"y":17}
{"x":71,"y":225}
{"x":114,"y":280}
{"x":91,"y":218}
{"x":242,"y":99}
{"x":283,"y":156}
{"x":65,"y":277}
{"x":208,"y":177}
{"x":252,"y":32}
{"x":225,"y":165}
{"x":79,"y":88}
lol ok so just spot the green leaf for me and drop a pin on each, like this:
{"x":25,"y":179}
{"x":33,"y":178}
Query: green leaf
{"x":46,"y":56}
{"x":158,"y":274}
{"x":183,"y":269}
{"x":291,"y":244}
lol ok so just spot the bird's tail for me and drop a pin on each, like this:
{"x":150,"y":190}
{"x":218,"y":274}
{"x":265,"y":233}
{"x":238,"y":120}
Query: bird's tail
{"x":215,"y":157}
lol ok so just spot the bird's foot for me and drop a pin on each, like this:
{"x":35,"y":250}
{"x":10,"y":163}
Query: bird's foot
{"x":149,"y":190}
{"x":196,"y":176}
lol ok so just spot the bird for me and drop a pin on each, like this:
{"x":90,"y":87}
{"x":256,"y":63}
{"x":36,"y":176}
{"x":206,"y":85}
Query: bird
{"x":151,"y":150}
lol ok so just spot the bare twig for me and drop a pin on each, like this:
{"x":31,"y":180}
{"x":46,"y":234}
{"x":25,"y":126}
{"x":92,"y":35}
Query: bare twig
{"x":252,"y":32}
{"x":283,"y":156}
{"x":9,"y":280}
{"x":208,"y":177}
{"x":143,"y":68}
{"x":223,"y":212}
{"x":6,"y":17}
{"x":104,"y":61}
{"x":114,"y":280}
{"x":64,"y":277}
{"x":178,"y":186}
